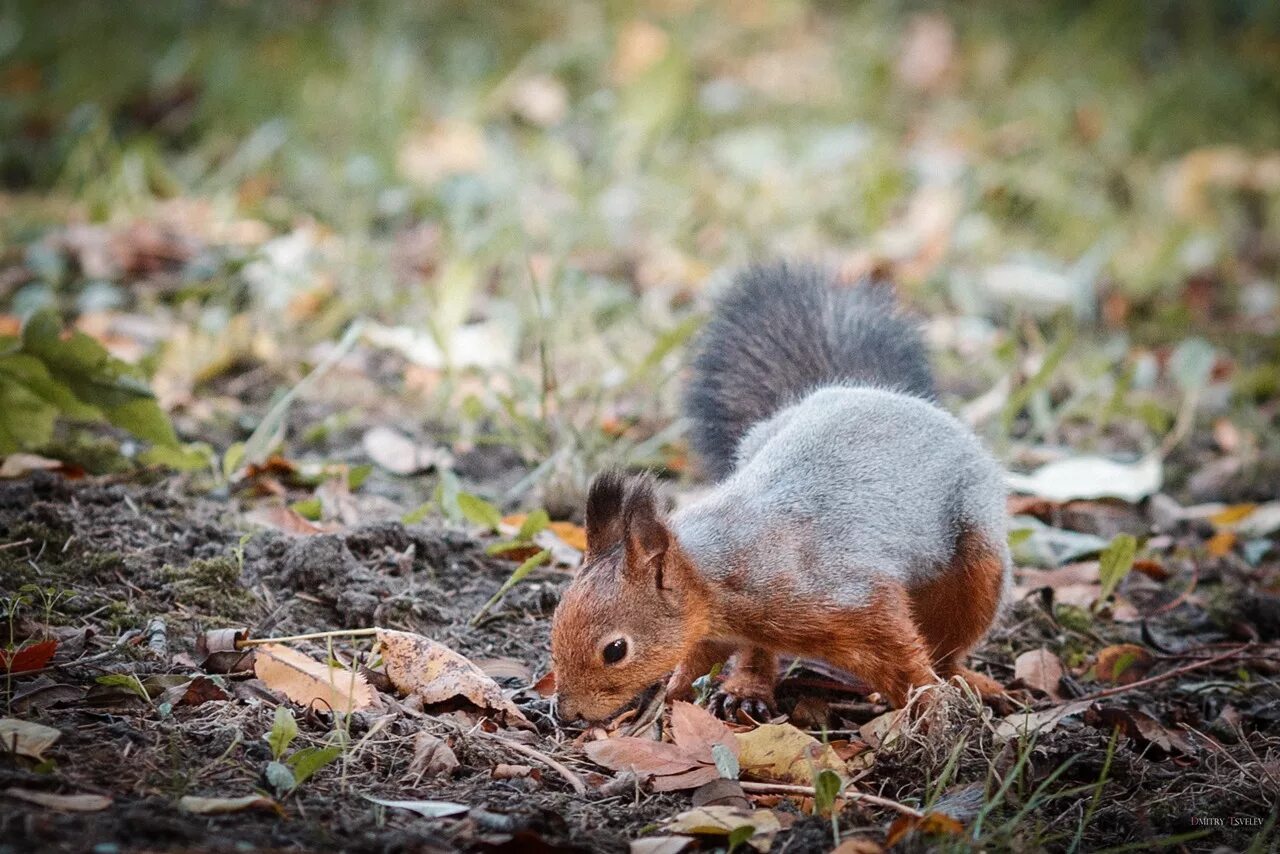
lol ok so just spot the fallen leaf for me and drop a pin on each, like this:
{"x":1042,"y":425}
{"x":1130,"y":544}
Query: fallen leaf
{"x":426,"y":809}
{"x":503,"y":771}
{"x":1221,"y":543}
{"x":1033,"y":543}
{"x":46,"y":696}
{"x":307,"y":681}
{"x":27,"y":738}
{"x":64,"y":803}
{"x":395,"y":452}
{"x":574,"y":536}
{"x":884,"y":729}
{"x":434,"y":673}
{"x":28,"y":657}
{"x":546,"y":685}
{"x":284,"y":519}
{"x":724,"y":821}
{"x":860,"y":845}
{"x":18,"y":465}
{"x":660,"y":845}
{"x":1040,"y":670}
{"x":1091,"y":477}
{"x":687,"y":763}
{"x":721,"y":792}
{"x":1141,"y":728}
{"x":432,"y":756}
{"x":218,"y":806}
{"x":782,"y":753}
{"x":1025,"y":724}
{"x":1123,"y":664}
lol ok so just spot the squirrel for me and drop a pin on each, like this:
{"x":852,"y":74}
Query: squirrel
{"x":852,"y":520}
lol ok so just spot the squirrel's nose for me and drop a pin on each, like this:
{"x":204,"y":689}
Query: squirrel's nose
{"x":565,"y":710}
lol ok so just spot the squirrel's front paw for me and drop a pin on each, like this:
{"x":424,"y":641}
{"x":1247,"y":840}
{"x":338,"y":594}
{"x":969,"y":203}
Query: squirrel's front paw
{"x":729,"y":705}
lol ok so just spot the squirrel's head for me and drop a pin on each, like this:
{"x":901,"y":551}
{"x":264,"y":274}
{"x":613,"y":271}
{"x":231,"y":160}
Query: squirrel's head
{"x":634,"y":611}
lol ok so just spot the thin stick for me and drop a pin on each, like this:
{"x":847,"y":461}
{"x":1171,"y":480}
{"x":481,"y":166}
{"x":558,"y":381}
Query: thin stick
{"x":1168,"y":674}
{"x":563,"y":770}
{"x":785,"y":789}
{"x":336,"y":633}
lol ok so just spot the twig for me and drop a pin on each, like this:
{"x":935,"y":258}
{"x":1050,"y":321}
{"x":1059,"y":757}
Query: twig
{"x":785,"y":789}
{"x":563,"y":770}
{"x":1181,"y":597}
{"x":28,"y":541}
{"x":336,"y":633}
{"x":1168,"y":674}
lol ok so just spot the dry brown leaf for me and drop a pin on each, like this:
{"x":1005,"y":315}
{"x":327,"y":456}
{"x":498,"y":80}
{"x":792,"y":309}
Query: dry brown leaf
{"x":860,"y":845}
{"x":685,"y":764}
{"x":308,"y":682}
{"x":1040,"y":670}
{"x":284,"y":519}
{"x":18,"y":465}
{"x":432,"y":756}
{"x":782,"y":753}
{"x":546,"y":685}
{"x":434,"y":673}
{"x":1141,"y":728}
{"x":218,"y":806}
{"x":64,"y":803}
{"x":1123,"y":664}
{"x":26,"y":738}
{"x":642,"y":756}
{"x":503,"y":771}
{"x":696,"y":731}
{"x":1023,"y":724}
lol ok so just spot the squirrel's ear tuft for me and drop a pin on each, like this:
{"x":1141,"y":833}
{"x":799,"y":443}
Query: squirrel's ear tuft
{"x":604,"y":511}
{"x":647,"y":537}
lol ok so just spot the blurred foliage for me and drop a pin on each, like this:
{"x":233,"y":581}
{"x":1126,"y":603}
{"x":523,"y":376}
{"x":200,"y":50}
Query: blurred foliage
{"x":528,"y":198}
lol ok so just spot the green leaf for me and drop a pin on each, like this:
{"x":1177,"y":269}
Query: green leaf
{"x":534,"y":523}
{"x":280,"y":778}
{"x":826,"y":788}
{"x":283,"y":730}
{"x":189,"y":457}
{"x":28,"y":371}
{"x":479,"y":511}
{"x":739,"y":835}
{"x":310,"y":508}
{"x":144,"y":418}
{"x":358,"y":475}
{"x":1115,"y":562}
{"x":127,"y":681}
{"x":726,"y":762}
{"x":417,"y":514}
{"x":309,"y":760}
{"x":26,"y":421}
{"x":446,"y":495}
{"x":232,"y":458}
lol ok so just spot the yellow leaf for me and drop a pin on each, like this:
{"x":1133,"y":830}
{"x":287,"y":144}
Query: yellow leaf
{"x":308,"y":682}
{"x":1233,"y":514}
{"x":782,"y":753}
{"x":436,"y":674}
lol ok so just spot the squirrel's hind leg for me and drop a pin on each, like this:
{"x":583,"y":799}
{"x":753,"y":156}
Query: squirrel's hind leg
{"x":881,"y":643}
{"x":749,"y":687}
{"x":957,"y":607}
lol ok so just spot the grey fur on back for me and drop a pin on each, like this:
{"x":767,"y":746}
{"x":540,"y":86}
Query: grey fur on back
{"x":782,"y":330}
{"x":849,"y":485}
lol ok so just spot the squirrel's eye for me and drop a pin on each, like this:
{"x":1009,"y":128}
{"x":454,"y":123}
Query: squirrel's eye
{"x":615,"y":651}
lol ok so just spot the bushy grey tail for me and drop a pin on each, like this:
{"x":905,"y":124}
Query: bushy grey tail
{"x":782,"y":330}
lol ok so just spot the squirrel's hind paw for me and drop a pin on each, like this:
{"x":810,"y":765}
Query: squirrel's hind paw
{"x":729,"y":706}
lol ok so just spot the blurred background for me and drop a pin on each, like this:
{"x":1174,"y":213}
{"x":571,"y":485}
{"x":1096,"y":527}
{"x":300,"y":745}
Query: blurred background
{"x":527,"y":205}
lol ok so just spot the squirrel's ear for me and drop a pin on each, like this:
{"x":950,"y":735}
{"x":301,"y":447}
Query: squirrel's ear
{"x":604,"y":511}
{"x":647,"y":536}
